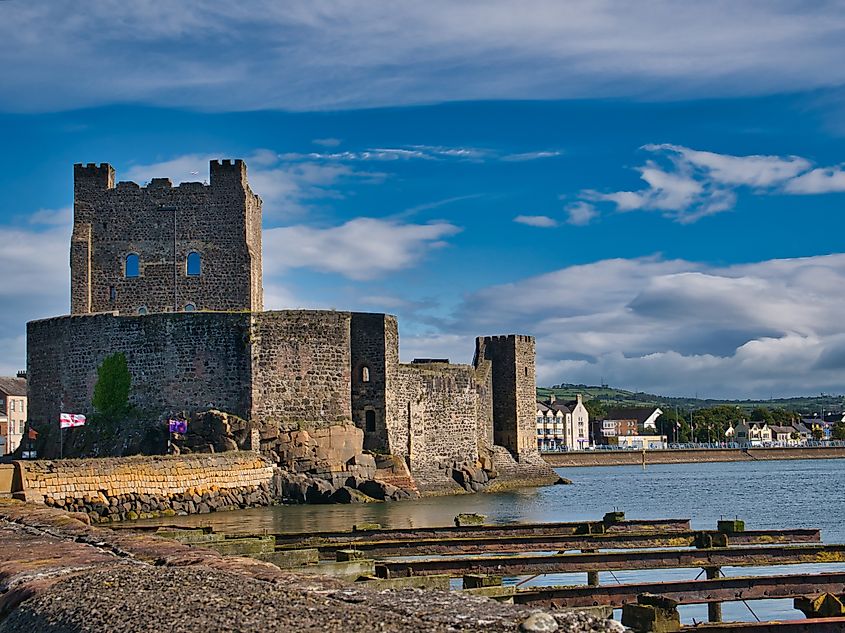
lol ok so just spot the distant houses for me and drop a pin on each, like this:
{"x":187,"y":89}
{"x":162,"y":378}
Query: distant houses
{"x":562,"y":426}
{"x":629,"y":428}
{"x":566,"y":426}
{"x":753,"y":433}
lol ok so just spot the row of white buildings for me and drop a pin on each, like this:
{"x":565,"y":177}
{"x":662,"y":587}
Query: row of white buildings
{"x":562,"y":425}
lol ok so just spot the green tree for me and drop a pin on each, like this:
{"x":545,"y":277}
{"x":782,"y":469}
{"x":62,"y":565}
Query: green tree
{"x":596,"y":409}
{"x":838,"y":432}
{"x":111,"y":393}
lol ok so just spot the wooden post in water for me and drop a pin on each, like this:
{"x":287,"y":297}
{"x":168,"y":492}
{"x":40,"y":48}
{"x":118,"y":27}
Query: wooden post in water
{"x":592,"y":576}
{"x":643,"y":458}
{"x":714,"y":609}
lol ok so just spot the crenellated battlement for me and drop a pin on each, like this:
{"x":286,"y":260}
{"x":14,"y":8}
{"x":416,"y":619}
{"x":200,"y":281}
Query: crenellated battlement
{"x":131,"y":242}
{"x":93,"y":176}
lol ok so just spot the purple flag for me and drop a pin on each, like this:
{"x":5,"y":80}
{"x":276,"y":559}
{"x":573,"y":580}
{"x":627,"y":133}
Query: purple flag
{"x":178,"y":426}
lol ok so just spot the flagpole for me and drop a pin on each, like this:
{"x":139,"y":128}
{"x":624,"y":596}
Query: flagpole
{"x":61,"y":441}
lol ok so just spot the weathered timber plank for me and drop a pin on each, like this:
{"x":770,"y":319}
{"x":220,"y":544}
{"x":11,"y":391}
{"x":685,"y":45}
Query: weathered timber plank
{"x":815,"y":625}
{"x":468,"y":531}
{"x":612,"y":561}
{"x":688,"y":591}
{"x":554,"y":542}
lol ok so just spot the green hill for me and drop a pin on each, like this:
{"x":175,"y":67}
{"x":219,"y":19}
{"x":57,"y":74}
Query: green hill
{"x":611,"y":397}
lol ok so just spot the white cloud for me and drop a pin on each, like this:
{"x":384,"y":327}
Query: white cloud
{"x":542,"y":221}
{"x":327,"y":142}
{"x":526,"y":156}
{"x":581,"y":213}
{"x":695,"y":184}
{"x":35,"y":284}
{"x":360,"y":249}
{"x":414,"y":152}
{"x":286,"y":183}
{"x":676,"y":327}
{"x":821,"y":180}
{"x":260,"y":54}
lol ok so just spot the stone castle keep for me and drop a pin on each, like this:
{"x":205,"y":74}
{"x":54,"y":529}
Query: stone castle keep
{"x":171,"y":277}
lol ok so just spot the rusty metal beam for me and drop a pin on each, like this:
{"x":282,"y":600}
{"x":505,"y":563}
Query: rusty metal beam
{"x":476,"y":531}
{"x":612,"y":561}
{"x":554,"y":542}
{"x":687,"y":591}
{"x":815,"y":625}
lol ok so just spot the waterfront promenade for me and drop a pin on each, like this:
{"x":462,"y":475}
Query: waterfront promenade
{"x":688,"y":456}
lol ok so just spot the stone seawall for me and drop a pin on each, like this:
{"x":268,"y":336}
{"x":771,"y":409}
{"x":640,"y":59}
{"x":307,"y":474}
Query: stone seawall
{"x":113,"y":489}
{"x":635,"y":458}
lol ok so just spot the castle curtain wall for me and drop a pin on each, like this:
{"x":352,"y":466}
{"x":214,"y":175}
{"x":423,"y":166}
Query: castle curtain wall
{"x":178,"y":362}
{"x":301,"y":366}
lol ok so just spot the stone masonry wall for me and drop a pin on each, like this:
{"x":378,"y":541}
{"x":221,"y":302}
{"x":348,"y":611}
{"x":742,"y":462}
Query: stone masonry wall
{"x":159,"y":475}
{"x":513,"y":382}
{"x":301,"y":367}
{"x":370,"y":352}
{"x":162,"y":224}
{"x":441,"y":408}
{"x":178,"y":362}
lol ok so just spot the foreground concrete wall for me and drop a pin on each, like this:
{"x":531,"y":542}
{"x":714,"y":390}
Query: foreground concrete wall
{"x":158,"y":476}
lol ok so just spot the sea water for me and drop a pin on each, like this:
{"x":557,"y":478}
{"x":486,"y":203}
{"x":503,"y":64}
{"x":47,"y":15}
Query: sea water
{"x":765,"y":494}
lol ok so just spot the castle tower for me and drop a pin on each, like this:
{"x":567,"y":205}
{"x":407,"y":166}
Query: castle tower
{"x":514,"y":383}
{"x":159,"y":248}
{"x":375,"y":360}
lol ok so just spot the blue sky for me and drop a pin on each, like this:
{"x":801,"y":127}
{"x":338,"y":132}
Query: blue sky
{"x":657,"y":196}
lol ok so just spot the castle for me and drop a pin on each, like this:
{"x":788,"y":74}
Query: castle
{"x":171,"y":277}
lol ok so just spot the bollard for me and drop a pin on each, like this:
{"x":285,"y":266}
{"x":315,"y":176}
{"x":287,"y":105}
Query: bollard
{"x":730,"y":526}
{"x":592,"y":576}
{"x":714,"y":609}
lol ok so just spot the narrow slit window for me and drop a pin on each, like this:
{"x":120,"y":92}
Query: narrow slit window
{"x":365,"y":374}
{"x":132,"y":267}
{"x":194,"y":264}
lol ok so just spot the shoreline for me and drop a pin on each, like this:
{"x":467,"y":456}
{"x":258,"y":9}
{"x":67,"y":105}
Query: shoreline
{"x":575,"y":459}
{"x":62,"y":573}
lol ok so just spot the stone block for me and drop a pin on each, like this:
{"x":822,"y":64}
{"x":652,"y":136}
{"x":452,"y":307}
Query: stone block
{"x":469,"y":519}
{"x":346,"y":555}
{"x":497,"y":593}
{"x":652,"y":614}
{"x":475,"y":581}
{"x":826,"y":605}
{"x":244,"y":546}
{"x":290,"y":558}
{"x":439,"y":582}
{"x":351,"y":571}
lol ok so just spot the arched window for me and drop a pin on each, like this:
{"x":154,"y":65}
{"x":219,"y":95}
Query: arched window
{"x":132,"y":266}
{"x":370,"y":417}
{"x":190,"y":307}
{"x":365,"y":374}
{"x":194,"y":264}
{"x":142,"y":310}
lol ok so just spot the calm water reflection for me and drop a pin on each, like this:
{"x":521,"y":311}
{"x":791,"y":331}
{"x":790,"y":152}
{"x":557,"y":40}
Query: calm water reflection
{"x":777,"y":494}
